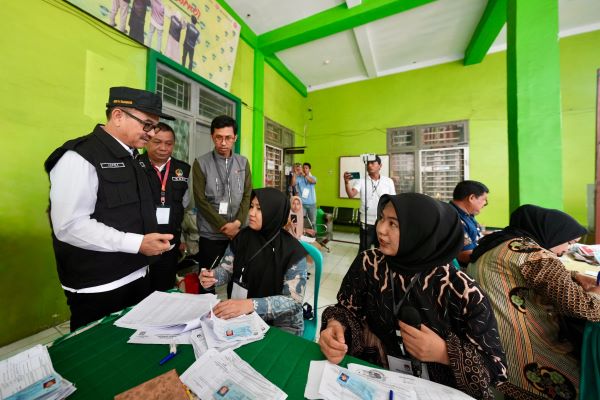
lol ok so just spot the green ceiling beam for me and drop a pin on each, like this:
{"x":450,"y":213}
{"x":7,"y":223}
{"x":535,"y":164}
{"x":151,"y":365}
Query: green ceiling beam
{"x":246,"y":33}
{"x":331,"y":21}
{"x":490,"y":25}
{"x":288,"y":75}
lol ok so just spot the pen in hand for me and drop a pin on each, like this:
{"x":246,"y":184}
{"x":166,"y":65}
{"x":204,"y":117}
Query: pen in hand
{"x":598,"y":279}
{"x":391,"y":395}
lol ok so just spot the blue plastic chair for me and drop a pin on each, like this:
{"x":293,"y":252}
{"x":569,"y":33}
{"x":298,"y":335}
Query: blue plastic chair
{"x":310,"y":325}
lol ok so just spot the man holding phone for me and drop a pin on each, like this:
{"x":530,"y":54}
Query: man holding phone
{"x":377,"y":186}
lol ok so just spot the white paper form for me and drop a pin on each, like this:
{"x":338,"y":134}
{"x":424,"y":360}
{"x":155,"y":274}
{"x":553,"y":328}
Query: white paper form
{"x":24,"y":369}
{"x":171,"y":312}
{"x":152,"y":337}
{"x":216,"y":372}
{"x":403,"y":383}
{"x":241,"y":328}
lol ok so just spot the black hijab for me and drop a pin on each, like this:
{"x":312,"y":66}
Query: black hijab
{"x":264,"y":271}
{"x":430,"y":232}
{"x":545,"y":226}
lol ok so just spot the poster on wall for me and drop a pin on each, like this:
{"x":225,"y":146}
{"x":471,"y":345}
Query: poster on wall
{"x":198,"y":34}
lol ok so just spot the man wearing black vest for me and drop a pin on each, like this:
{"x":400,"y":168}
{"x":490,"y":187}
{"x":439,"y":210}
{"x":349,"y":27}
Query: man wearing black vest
{"x":192,"y":37}
{"x":168,"y":179}
{"x":104,"y":229}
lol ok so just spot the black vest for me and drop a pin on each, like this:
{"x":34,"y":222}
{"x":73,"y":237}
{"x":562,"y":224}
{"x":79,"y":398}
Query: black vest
{"x":191,"y":36}
{"x":124,"y":202}
{"x":177,"y":184}
{"x":175,"y":28}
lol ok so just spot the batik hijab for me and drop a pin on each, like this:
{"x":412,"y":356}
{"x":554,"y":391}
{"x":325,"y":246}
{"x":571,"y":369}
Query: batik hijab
{"x":545,"y":226}
{"x":430,"y":232}
{"x":266,"y":255}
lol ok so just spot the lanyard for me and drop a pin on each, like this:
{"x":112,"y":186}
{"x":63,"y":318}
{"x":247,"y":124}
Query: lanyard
{"x":254,"y":256}
{"x":227,"y":171}
{"x":163,"y":181}
{"x":398,"y":305}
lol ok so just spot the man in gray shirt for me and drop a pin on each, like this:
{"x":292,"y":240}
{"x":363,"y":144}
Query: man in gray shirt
{"x":222,"y":186}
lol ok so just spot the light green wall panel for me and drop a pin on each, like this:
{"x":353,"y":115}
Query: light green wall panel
{"x":55,"y":86}
{"x":284,"y":105}
{"x":242,"y":87}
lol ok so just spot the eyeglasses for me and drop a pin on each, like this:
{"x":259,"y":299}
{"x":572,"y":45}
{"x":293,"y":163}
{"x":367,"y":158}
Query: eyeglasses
{"x":221,"y":139}
{"x":147,"y":125}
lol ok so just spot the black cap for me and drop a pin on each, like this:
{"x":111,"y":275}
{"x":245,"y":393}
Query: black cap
{"x":142,"y":100}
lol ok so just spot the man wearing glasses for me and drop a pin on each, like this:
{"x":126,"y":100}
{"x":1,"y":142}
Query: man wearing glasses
{"x":104,"y":227}
{"x":222,"y":187}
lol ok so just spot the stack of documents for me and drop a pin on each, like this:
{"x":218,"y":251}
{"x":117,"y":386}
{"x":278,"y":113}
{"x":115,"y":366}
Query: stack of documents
{"x":30,"y":375}
{"x":166,"y":317}
{"x":223,"y":334}
{"x":331,"y":382}
{"x":226,"y":376}
{"x":586,"y":253}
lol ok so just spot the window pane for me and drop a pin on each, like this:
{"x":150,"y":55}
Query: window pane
{"x":182,"y":132}
{"x":441,"y":170}
{"x":173,"y":90}
{"x":402,"y":172}
{"x":273,"y":167}
{"x":212,"y":105}
{"x":443,"y":135}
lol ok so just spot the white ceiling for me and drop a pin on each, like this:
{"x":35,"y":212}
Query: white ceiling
{"x":435,"y":33}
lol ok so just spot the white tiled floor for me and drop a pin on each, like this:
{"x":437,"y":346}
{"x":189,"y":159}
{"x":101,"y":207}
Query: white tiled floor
{"x":335,"y":264}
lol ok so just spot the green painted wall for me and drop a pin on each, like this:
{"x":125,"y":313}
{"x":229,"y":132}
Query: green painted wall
{"x":352,"y":119}
{"x":242,"y":87}
{"x":55,"y":86}
{"x":283,"y":103}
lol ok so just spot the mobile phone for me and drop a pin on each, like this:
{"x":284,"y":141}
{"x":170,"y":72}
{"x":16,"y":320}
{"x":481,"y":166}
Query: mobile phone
{"x":294,"y":218}
{"x":354,"y":175}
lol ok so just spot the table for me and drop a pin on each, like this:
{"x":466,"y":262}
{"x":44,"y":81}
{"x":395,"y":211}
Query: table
{"x":101,"y":363}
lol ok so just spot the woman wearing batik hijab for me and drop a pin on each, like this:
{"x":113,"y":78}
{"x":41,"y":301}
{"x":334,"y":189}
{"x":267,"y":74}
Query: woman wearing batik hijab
{"x":264,"y":267}
{"x":528,"y":287}
{"x":458,"y":339}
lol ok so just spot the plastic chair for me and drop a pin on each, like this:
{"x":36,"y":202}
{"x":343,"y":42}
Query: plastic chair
{"x":310,"y":325}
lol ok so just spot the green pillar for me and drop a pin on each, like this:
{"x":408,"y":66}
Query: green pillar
{"x":258,"y":120}
{"x":534,"y":109}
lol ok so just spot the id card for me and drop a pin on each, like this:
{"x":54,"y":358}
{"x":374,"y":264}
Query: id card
{"x":231,"y":391}
{"x":223,"y":206}
{"x":360,"y":387}
{"x":162,"y":215}
{"x":238,"y":292}
{"x":305,"y":193}
{"x":404,"y":366}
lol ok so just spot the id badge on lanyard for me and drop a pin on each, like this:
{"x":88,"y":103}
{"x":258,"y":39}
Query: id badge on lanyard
{"x":162,"y":212}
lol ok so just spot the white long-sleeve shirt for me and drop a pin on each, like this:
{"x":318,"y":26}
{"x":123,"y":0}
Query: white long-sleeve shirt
{"x":73,"y":194}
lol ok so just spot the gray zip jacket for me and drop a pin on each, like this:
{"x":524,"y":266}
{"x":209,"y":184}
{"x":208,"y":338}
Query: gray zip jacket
{"x":227,"y":180}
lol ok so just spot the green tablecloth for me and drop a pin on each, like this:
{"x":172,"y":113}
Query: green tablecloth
{"x":102,"y":364}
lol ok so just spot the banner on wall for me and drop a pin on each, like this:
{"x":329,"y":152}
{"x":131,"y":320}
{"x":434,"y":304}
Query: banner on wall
{"x":198,"y":34}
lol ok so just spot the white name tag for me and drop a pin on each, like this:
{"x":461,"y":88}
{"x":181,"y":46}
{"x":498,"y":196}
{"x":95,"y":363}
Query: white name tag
{"x":112,"y":165}
{"x":305,"y":193}
{"x":223,"y":206}
{"x":238,"y":292}
{"x":162,"y":215}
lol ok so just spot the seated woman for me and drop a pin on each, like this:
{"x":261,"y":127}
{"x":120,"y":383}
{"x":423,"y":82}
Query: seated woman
{"x":264,"y":267}
{"x":295,"y":225}
{"x":458,"y":339}
{"x":528,"y":287}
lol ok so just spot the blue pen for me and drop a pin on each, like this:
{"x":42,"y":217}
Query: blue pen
{"x":167,"y":358}
{"x":598,"y":279}
{"x":391,"y":394}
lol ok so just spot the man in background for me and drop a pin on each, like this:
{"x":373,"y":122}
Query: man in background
{"x":168,"y":179}
{"x":192,"y":37}
{"x":468,"y":198}
{"x":104,"y":230}
{"x":377,"y":186}
{"x":222,"y":186}
{"x":306,"y":190}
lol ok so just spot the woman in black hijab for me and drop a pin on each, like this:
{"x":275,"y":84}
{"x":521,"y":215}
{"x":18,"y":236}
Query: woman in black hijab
{"x":264,"y":266}
{"x":529,"y":289}
{"x":409,"y":277}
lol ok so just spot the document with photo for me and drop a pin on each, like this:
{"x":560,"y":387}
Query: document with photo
{"x":226,"y":376}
